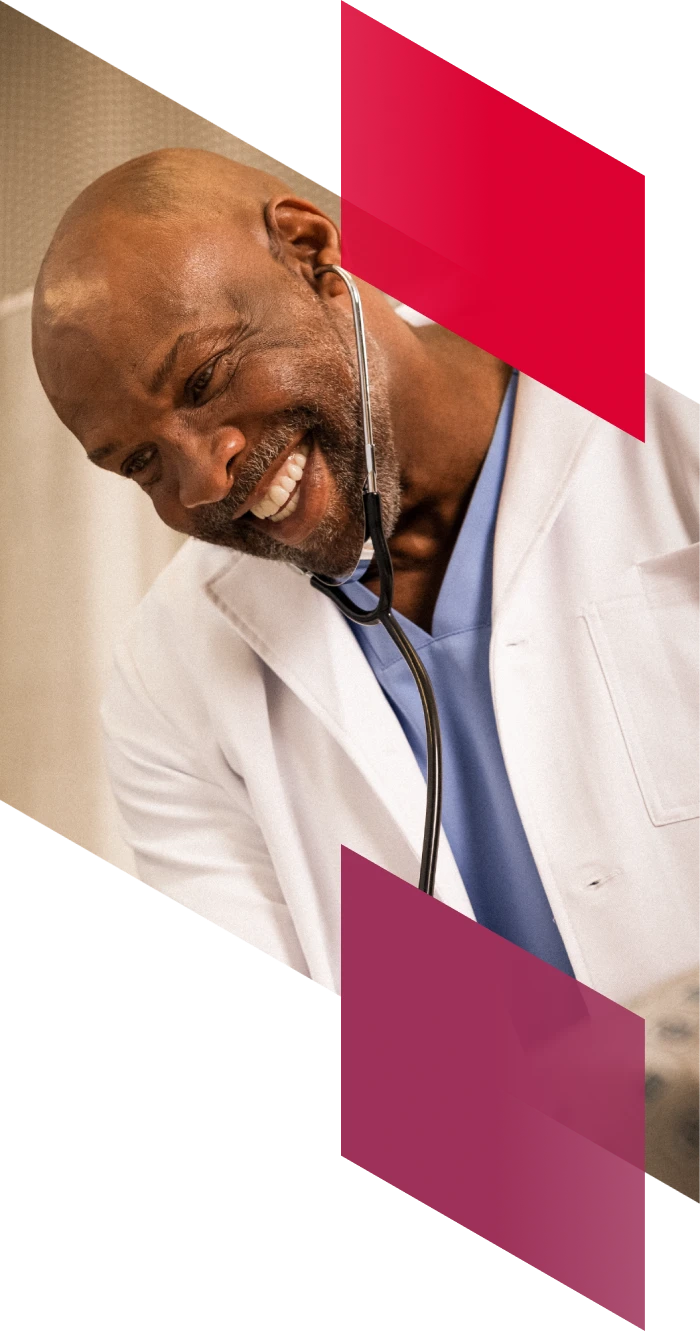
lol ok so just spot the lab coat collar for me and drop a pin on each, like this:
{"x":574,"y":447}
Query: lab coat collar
{"x":549,"y":436}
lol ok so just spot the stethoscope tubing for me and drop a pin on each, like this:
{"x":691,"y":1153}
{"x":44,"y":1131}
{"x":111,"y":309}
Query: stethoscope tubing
{"x":382,"y":612}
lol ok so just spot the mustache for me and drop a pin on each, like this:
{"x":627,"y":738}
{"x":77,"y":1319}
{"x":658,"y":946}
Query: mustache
{"x":273,"y":443}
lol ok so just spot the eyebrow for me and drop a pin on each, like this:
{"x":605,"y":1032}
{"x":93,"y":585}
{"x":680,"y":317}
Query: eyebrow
{"x":98,"y":455}
{"x":169,"y":359}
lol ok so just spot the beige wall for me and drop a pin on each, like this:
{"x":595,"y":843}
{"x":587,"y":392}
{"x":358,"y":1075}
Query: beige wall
{"x":78,"y":548}
{"x":65,"y":117}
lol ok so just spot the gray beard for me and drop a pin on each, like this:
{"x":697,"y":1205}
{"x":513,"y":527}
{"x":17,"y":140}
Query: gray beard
{"x":334,"y":547}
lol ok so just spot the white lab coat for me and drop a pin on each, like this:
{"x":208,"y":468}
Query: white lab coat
{"x":248,"y":738}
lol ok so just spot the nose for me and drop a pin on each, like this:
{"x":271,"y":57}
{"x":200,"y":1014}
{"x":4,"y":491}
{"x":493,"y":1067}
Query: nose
{"x":204,"y":471}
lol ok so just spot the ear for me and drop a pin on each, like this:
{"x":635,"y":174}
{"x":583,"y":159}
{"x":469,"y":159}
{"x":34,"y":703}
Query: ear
{"x":303,"y":238}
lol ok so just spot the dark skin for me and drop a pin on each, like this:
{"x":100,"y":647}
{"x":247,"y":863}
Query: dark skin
{"x":228,"y":270}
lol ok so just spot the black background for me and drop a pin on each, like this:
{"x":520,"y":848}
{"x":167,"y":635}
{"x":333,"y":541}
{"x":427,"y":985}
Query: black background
{"x":176,"y":1098}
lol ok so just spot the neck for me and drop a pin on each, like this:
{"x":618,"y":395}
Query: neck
{"x":446,"y":397}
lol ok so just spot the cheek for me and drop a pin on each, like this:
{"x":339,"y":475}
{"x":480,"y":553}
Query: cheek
{"x":277,"y":375}
{"x":268,"y":383}
{"x":171,"y":511}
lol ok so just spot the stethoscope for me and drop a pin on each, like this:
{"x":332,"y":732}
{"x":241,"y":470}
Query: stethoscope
{"x":382,"y":614}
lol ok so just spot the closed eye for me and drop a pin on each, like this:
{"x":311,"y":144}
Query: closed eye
{"x":198,"y":385}
{"x":206,"y":383}
{"x":139,"y":462}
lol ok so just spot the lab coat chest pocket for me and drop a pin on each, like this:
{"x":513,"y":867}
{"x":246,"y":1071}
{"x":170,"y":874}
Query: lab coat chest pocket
{"x":646,"y":640}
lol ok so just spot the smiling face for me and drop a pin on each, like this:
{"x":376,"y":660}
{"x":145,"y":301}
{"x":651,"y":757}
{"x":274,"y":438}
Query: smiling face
{"x":218,"y":375}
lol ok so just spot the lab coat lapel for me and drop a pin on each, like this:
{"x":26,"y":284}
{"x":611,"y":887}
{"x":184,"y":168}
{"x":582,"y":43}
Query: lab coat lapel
{"x":548,"y":439}
{"x":306,"y":641}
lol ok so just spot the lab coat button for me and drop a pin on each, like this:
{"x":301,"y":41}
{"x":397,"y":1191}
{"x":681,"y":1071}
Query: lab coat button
{"x":595,"y":876}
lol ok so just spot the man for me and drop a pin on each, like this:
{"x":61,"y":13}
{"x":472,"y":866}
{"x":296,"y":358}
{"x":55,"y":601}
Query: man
{"x":544,"y":567}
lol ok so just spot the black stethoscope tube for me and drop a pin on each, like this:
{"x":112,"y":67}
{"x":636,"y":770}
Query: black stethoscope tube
{"x":382,"y":613}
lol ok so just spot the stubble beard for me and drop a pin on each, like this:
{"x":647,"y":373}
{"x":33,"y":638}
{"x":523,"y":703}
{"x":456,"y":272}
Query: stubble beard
{"x":332,"y":419}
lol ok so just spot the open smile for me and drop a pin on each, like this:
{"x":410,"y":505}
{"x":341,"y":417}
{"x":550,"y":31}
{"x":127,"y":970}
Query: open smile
{"x":260,"y":492}
{"x":293,"y":496}
{"x":281,"y":495}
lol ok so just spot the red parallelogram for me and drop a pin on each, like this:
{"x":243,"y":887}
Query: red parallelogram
{"x":492,"y":1087}
{"x":493,"y":221}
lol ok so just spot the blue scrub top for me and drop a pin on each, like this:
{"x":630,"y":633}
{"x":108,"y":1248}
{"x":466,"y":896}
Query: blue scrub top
{"x":479,"y":814}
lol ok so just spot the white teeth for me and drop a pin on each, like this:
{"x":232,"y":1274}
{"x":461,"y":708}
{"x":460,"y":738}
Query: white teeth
{"x":288,"y":510}
{"x":265,"y":508}
{"x":282,"y":486}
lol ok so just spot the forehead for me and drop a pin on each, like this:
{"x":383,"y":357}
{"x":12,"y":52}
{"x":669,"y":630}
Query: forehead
{"x":169,"y":270}
{"x":120,"y":302}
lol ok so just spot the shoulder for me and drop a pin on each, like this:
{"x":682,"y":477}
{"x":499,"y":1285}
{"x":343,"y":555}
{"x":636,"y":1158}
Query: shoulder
{"x":667,"y":406}
{"x":178,"y":600}
{"x":167,"y":653}
{"x":184,"y":580}
{"x":663,"y":391}
{"x":668,"y":411}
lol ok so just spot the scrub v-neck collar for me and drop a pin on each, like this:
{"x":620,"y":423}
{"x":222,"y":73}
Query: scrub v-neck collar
{"x":464,"y":600}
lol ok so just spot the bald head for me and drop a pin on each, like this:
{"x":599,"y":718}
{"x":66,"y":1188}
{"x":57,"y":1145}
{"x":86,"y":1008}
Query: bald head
{"x":178,"y":178}
{"x":183,"y":335}
{"x":171,"y":189}
{"x":167,"y":182}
